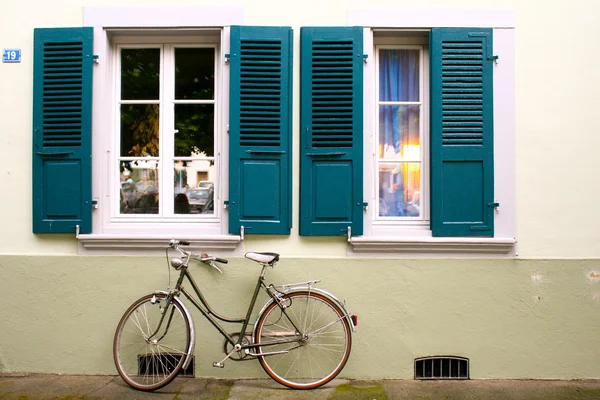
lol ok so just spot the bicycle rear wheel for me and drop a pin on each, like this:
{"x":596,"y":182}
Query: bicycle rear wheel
{"x":149,"y":350}
{"x":313,"y":336}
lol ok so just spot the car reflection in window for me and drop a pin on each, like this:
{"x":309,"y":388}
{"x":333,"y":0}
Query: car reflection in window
{"x":198,"y":198}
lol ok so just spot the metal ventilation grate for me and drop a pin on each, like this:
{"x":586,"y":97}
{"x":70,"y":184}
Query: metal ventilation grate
{"x":163,"y":362}
{"x":442,"y":367}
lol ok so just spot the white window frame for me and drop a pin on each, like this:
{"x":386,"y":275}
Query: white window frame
{"x":167,"y":46}
{"x":381,"y":225}
{"x":417,"y":241}
{"x":112,"y":235}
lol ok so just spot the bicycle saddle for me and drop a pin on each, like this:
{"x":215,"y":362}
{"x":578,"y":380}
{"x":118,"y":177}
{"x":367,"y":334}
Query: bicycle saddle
{"x":263,"y":258}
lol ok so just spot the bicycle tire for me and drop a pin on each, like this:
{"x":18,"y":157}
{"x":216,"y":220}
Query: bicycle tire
{"x":315,"y":356}
{"x":150,"y":363}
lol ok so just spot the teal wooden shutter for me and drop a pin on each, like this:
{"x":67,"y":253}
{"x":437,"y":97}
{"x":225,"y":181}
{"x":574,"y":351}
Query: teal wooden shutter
{"x":62,"y":128}
{"x":260,"y":129}
{"x":331,"y":131}
{"x":462,"y":166}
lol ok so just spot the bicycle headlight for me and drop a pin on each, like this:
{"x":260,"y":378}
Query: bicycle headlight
{"x":176,"y":262}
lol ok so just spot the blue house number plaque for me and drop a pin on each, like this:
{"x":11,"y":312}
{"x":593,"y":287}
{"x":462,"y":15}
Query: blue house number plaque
{"x":11,"y":55}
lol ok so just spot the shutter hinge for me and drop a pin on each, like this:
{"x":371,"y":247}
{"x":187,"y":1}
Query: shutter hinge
{"x":96,"y":59}
{"x":95,"y":204}
{"x":365,"y":57}
{"x":364,"y":205}
{"x":493,"y":58}
{"x":227,"y":57}
{"x":494,"y":205}
{"x":226,"y":203}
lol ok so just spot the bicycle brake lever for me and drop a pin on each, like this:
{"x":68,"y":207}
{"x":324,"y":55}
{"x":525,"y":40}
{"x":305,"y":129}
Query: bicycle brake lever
{"x":212,"y":264}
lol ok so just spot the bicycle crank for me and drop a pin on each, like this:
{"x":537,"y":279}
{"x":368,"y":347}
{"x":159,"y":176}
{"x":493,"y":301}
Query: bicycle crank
{"x":228,"y":347}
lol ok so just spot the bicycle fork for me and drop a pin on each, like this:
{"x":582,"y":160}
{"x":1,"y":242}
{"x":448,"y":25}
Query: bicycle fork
{"x":190,"y":350}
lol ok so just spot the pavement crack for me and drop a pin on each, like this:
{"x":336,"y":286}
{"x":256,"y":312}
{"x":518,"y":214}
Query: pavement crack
{"x":102,"y":386}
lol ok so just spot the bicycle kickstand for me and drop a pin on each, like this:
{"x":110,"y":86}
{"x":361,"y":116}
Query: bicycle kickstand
{"x":220,"y":364}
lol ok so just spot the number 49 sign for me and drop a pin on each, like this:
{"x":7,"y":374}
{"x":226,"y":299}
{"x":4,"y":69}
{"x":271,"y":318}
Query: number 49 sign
{"x":11,"y":55}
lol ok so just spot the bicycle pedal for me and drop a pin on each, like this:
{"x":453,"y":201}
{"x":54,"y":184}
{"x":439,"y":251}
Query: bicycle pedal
{"x":217,"y":364}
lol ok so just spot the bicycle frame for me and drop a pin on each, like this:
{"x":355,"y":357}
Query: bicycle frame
{"x":212,"y":316}
{"x":273,"y":291}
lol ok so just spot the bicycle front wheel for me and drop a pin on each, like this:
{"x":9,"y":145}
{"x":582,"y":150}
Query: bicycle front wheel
{"x":305,"y":343}
{"x":150,"y":343}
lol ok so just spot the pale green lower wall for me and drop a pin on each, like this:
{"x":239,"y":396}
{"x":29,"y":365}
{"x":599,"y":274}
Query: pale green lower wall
{"x":511,"y":318}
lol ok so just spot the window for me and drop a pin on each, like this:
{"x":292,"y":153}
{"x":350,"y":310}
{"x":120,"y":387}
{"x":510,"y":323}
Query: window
{"x":436,"y":171}
{"x":401,"y":132}
{"x":191,"y":128}
{"x":168,"y":131}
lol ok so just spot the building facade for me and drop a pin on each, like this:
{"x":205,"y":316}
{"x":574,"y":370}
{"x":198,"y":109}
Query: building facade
{"x":415,"y":160}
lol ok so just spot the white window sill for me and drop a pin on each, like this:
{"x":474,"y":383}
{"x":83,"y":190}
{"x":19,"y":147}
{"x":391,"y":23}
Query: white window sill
{"x":94,"y":244}
{"x":431,"y":246}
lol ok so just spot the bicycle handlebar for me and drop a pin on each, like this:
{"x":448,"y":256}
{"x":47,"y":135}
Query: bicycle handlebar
{"x":205,"y":258}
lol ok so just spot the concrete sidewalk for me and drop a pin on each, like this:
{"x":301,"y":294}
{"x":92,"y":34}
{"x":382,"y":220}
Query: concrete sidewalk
{"x":67,"y":387}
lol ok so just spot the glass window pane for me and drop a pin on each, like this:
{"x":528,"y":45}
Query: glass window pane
{"x":195,"y":130}
{"x":140,"y":72}
{"x":194,"y":194}
{"x":139,"y":193}
{"x":399,"y":190}
{"x":399,"y":132}
{"x":194,"y":73}
{"x":139,"y":130}
{"x":399,"y":75}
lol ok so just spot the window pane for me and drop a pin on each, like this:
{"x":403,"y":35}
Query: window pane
{"x":398,"y":75}
{"x":139,"y":187}
{"x":139,"y":130}
{"x":399,"y":132}
{"x":194,"y":73}
{"x":193,"y":196}
{"x":140,"y":71}
{"x":400,"y":190}
{"x":195,"y":126}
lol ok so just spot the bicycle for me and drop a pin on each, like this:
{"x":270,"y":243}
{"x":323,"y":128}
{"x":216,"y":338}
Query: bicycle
{"x":302,"y":335}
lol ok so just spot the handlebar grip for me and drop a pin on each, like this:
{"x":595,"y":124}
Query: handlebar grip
{"x":221,"y":260}
{"x":184,"y":243}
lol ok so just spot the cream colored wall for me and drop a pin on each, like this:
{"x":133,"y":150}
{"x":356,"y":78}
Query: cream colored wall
{"x":557,"y":86}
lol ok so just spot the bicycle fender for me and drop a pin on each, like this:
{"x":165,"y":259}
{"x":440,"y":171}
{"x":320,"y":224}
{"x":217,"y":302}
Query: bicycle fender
{"x":322,"y":292}
{"x":190,"y":351}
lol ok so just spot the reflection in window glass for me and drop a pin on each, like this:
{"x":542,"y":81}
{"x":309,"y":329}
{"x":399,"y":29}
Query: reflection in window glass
{"x":192,"y":196}
{"x":399,"y":128}
{"x":399,"y":139}
{"x":399,"y":193}
{"x":194,"y":124}
{"x":171,"y":87}
{"x":139,"y":130}
{"x":140,"y":72}
{"x":139,"y":192}
{"x":194,"y":73}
